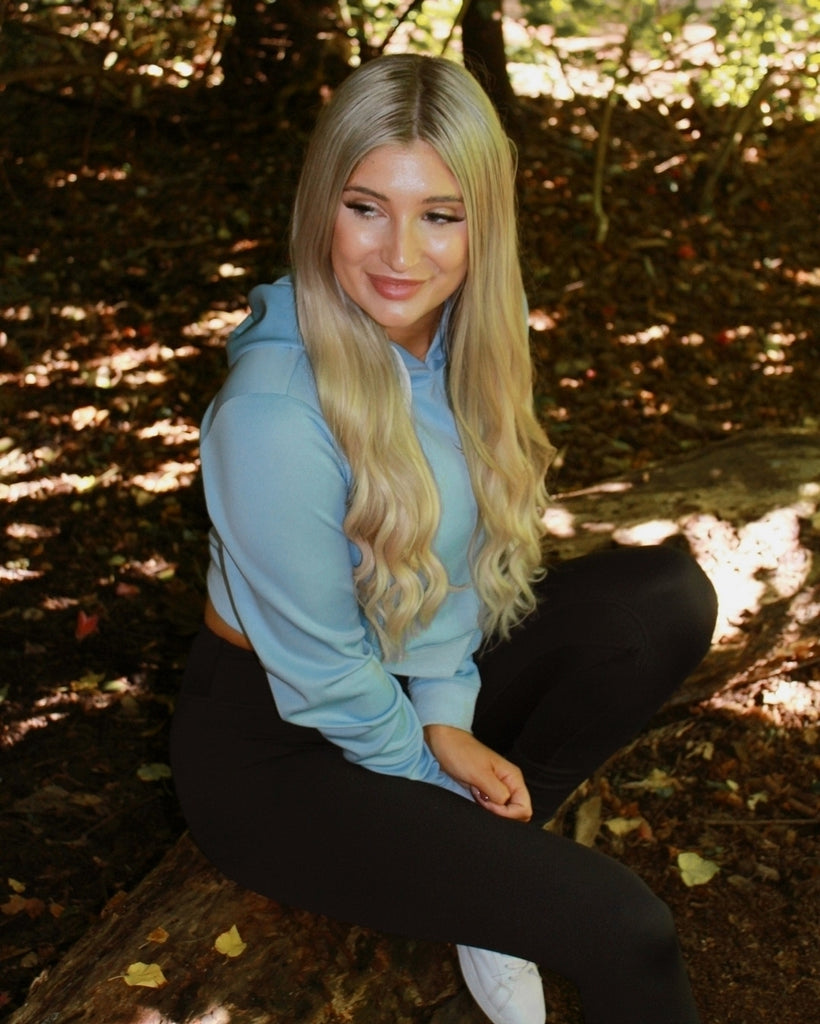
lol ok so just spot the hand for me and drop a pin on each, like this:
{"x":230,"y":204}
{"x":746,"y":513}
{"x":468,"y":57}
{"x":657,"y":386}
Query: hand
{"x":496,"y":783}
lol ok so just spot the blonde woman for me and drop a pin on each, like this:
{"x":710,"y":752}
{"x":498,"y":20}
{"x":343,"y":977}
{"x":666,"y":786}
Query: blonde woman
{"x":389,"y":697}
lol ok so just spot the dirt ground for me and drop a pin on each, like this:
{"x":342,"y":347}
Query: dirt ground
{"x":128,"y":247}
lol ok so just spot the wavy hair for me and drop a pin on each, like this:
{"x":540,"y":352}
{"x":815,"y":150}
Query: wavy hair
{"x":394,"y":508}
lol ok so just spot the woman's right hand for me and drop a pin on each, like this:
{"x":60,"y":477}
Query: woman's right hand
{"x":496,"y":783}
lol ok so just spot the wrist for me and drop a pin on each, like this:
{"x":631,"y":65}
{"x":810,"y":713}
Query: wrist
{"x":436,"y":729}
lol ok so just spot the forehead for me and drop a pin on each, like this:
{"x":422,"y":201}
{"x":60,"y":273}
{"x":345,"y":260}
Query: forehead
{"x":405,"y":165}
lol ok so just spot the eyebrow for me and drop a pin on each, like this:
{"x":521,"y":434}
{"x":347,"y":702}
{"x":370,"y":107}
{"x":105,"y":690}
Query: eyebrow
{"x":378,"y":195}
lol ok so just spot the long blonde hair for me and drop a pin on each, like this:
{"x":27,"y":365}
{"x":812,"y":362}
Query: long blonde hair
{"x":394,"y":507}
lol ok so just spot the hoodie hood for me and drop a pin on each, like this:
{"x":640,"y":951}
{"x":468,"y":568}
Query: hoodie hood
{"x":271,"y":321}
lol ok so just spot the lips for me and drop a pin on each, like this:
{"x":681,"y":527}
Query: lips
{"x":395,"y":288}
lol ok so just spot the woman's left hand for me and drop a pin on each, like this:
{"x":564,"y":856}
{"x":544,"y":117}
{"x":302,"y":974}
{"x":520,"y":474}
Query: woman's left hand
{"x":496,"y":783}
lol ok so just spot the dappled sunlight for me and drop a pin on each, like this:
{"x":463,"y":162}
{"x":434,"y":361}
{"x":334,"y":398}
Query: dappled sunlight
{"x":214,"y":324}
{"x":50,"y":486}
{"x":749,"y":511}
{"x":36,"y":473}
{"x":758,"y":563}
{"x":170,"y":476}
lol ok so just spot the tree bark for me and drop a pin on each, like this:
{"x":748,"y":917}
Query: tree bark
{"x":482,"y":40}
{"x":296,"y":967}
{"x":286,"y":44}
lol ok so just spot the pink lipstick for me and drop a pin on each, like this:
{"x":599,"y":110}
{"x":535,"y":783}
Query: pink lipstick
{"x":395,"y":288}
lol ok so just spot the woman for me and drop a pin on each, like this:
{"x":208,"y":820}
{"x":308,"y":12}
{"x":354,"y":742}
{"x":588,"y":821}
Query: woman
{"x":389,"y":697}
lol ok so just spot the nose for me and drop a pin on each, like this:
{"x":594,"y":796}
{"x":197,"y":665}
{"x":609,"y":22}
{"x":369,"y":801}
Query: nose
{"x":401,"y":248}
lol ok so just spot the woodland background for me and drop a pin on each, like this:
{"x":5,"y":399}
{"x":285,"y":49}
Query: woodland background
{"x":668,"y":160}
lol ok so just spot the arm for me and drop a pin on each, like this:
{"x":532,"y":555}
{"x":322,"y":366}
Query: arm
{"x":276,"y":491}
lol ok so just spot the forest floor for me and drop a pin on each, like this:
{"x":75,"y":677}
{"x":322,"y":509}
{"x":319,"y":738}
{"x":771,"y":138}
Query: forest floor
{"x":128,"y":247}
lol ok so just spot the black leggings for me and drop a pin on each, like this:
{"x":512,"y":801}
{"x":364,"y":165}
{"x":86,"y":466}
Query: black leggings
{"x":278,"y":809}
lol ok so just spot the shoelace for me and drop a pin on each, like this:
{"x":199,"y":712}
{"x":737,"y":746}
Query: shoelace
{"x":514,"y":967}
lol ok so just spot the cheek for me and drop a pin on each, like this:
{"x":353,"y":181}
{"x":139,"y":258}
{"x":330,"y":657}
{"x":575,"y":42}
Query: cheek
{"x":348,"y":246}
{"x":456,"y":259}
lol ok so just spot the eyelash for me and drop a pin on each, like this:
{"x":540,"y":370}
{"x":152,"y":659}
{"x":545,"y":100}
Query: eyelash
{"x":436,"y":217}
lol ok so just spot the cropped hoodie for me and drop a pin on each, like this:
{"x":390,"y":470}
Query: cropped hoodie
{"x":281,"y":567}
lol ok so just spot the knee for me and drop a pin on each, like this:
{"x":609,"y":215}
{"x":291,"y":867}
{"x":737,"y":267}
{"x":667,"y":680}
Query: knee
{"x":680,"y":601}
{"x":653,"y":933}
{"x":645,"y":937}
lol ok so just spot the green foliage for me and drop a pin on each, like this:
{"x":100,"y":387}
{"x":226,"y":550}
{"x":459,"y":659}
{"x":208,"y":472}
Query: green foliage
{"x":133,"y":44}
{"x":376,"y":26}
{"x":723,"y":53}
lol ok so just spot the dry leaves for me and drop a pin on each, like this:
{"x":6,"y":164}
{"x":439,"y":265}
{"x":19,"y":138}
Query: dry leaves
{"x":229,"y":943}
{"x":144,"y":975}
{"x":695,"y":870}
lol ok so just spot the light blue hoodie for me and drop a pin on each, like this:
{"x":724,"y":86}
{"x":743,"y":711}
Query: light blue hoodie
{"x":276,"y":485}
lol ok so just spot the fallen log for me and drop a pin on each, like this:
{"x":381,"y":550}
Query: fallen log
{"x":748,"y":509}
{"x":295,"y":966}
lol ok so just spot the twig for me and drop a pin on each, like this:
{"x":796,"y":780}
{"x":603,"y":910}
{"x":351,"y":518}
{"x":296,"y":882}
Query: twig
{"x":5,"y":179}
{"x":761,"y":821}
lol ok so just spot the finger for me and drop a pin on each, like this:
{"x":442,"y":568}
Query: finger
{"x":515,"y":812}
{"x":519,"y":794}
{"x":518,"y":807}
{"x":491,"y":789}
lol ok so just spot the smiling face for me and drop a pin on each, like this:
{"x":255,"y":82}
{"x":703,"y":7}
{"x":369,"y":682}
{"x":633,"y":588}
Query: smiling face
{"x":399,"y":246}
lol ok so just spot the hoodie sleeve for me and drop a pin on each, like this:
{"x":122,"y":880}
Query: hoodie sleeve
{"x":276,"y":491}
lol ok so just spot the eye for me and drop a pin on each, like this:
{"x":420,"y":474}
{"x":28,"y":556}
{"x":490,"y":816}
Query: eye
{"x":444,"y":217}
{"x":361,"y":209}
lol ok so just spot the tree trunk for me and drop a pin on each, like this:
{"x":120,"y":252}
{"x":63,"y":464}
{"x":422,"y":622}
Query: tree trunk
{"x":482,"y":39}
{"x":283,"y":47}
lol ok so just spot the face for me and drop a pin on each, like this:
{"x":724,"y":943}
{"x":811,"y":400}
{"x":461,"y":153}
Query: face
{"x":399,"y":245}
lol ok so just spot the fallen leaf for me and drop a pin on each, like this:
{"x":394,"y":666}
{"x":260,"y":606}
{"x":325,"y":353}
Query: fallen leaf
{"x":588,"y":821}
{"x":158,"y":935}
{"x":658,"y":781}
{"x":20,"y":905}
{"x":695,"y":870}
{"x":16,"y":886}
{"x":153,"y":772}
{"x":623,"y":826}
{"x":89,"y":681}
{"x":86,"y":625}
{"x":127,"y":590}
{"x":229,"y":943}
{"x":86,"y":800}
{"x":144,"y":975}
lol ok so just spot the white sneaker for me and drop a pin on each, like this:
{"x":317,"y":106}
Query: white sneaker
{"x":507,"y":989}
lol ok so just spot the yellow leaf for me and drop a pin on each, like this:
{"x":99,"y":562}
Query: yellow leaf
{"x":153,"y":772}
{"x":658,"y":781}
{"x":90,"y":681}
{"x":158,"y":935}
{"x":694,"y":870}
{"x":16,"y":886}
{"x":229,"y":943}
{"x":146,"y":975}
{"x":757,"y":798}
{"x":588,"y":821}
{"x":623,"y":826}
